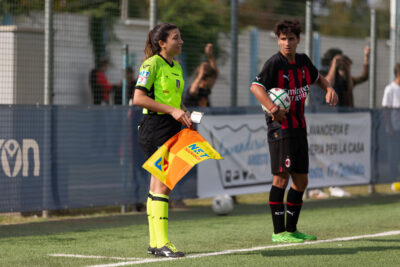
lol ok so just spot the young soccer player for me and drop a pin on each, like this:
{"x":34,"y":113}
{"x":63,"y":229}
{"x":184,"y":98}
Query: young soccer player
{"x":287,"y":135}
{"x":159,"y":91}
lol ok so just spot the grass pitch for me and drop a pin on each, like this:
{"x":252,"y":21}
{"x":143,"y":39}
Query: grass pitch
{"x":121,"y":240}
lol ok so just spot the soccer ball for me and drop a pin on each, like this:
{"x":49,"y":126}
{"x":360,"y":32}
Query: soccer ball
{"x":280,"y":98}
{"x":222,"y":204}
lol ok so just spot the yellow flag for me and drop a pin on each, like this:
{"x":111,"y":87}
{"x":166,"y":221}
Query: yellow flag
{"x":178,"y":155}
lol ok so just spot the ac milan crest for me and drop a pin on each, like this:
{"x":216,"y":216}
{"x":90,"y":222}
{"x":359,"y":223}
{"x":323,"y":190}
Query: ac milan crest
{"x":287,"y":162}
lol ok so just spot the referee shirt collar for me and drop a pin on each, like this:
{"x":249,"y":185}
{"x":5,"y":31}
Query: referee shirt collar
{"x":171,"y":65}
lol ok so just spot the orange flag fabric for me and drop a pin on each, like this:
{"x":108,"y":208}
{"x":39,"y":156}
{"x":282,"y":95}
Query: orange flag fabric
{"x":178,"y":155}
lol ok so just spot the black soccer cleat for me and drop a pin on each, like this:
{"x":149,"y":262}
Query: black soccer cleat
{"x":151,"y":251}
{"x":169,"y":251}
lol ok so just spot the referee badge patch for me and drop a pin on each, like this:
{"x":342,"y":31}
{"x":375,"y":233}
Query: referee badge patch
{"x":288,"y":162}
{"x":178,"y":83}
{"x":143,"y":76}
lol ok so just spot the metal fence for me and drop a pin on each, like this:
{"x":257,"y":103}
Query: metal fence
{"x":51,"y":110}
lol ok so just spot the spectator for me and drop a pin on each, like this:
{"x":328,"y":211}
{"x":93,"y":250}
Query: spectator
{"x":391,"y":103}
{"x":317,"y":95}
{"x":130,"y":88}
{"x":99,"y":83}
{"x":206,"y":74}
{"x":339,"y":75}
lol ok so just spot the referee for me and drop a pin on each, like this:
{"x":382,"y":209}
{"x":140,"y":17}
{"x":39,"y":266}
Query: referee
{"x":287,"y":134}
{"x":159,"y":91}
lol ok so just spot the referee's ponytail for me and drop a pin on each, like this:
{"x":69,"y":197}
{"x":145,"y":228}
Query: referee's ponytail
{"x":158,"y":33}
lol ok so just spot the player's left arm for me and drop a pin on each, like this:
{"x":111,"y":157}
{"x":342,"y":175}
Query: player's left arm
{"x":331,"y":97}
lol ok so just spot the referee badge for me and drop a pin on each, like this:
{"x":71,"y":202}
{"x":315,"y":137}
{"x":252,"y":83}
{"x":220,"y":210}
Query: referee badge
{"x":178,"y":83}
{"x":288,"y":162}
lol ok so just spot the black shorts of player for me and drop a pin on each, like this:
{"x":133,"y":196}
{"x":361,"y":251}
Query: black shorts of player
{"x":154,"y":131}
{"x":289,"y":155}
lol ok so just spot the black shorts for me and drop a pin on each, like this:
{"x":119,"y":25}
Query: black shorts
{"x":154,"y":131}
{"x":289,"y":155}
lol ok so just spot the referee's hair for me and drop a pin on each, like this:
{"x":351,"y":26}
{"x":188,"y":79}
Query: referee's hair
{"x":288,"y":25}
{"x":397,"y":69}
{"x":159,"y":32}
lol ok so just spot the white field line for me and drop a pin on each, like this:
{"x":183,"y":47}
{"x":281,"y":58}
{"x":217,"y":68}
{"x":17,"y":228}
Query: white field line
{"x":93,"y":257}
{"x":231,"y":251}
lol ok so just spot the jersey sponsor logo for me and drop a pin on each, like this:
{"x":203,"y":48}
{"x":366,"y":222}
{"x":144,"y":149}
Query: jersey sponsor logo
{"x":285,"y":77}
{"x":298,"y":94}
{"x":258,"y":78}
{"x":175,"y":74}
{"x":143,"y":76}
{"x":145,"y":66}
{"x":165,"y":91}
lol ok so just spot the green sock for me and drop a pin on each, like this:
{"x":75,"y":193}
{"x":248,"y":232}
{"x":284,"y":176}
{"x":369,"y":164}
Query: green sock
{"x":159,"y":209}
{"x":152,"y":234}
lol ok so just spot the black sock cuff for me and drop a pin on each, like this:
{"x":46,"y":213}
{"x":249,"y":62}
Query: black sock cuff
{"x":157,"y":198}
{"x":276,"y":194}
{"x":295,"y":197}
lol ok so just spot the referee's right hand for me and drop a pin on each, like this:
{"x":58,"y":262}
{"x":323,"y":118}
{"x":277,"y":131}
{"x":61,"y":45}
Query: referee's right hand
{"x":182,"y":117}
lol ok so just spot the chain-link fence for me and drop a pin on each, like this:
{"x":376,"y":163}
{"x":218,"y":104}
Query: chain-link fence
{"x":85,"y":143}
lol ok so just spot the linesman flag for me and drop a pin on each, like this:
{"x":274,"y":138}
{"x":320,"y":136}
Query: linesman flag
{"x":178,"y":155}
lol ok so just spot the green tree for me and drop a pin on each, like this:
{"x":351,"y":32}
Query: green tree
{"x":200,"y":22}
{"x":18,"y":7}
{"x":352,"y":20}
{"x":264,"y":14}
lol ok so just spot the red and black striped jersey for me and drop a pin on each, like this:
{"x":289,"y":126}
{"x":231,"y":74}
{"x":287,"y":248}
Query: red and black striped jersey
{"x":296,"y":78}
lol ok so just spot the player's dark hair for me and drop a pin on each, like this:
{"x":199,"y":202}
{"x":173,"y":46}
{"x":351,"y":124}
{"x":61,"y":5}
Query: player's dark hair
{"x":158,"y":33}
{"x":397,"y":69}
{"x":286,"y":26}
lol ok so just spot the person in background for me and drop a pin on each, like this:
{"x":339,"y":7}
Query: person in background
{"x":101,"y":87}
{"x":198,"y":94}
{"x":130,"y":88}
{"x":336,"y":67}
{"x":340,"y":76}
{"x":287,"y":133}
{"x":391,"y":103}
{"x":159,"y":92}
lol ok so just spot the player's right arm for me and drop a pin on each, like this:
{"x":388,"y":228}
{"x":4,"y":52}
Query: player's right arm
{"x":259,"y":89}
{"x":262,"y":96}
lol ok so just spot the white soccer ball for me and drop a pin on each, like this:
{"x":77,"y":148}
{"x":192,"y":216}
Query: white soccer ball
{"x":222,"y":204}
{"x":280,"y":98}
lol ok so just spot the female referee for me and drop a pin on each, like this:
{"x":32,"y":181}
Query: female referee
{"x":159,"y":92}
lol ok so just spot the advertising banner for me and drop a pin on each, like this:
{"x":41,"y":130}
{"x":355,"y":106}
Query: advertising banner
{"x":242,"y":142}
{"x":339,"y":150}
